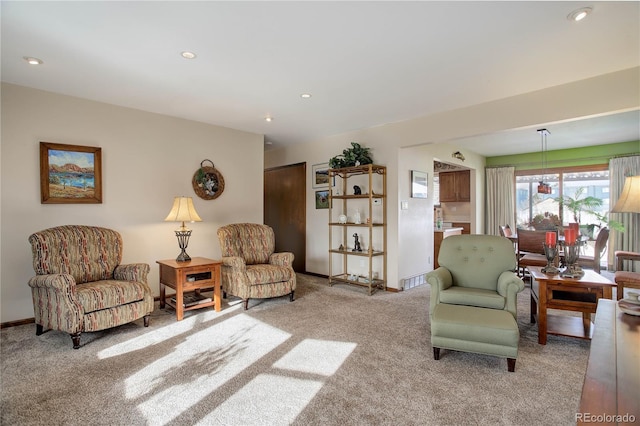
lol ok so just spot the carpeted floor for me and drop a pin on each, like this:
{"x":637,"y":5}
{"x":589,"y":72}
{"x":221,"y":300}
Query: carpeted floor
{"x":334,"y":356}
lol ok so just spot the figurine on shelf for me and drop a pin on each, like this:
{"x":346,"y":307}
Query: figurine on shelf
{"x":341,"y":248}
{"x":356,"y":244}
{"x":357,"y":219}
{"x":357,"y":190}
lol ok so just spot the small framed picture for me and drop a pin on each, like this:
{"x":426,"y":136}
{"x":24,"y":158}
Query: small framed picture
{"x":418,"y":184}
{"x":322,"y":199}
{"x":70,"y":174}
{"x":320,"y":175}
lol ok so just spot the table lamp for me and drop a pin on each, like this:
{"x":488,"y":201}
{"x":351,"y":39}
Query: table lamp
{"x":183,"y":211}
{"x":629,"y":201}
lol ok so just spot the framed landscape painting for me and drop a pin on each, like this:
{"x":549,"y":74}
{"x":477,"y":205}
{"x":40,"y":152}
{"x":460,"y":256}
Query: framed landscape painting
{"x":70,"y":174}
{"x":320,"y":175}
{"x":322,"y":199}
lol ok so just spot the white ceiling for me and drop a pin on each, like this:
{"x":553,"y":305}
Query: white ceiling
{"x":365,"y":63}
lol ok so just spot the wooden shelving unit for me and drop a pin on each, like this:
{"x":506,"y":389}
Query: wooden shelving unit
{"x":372,"y":205}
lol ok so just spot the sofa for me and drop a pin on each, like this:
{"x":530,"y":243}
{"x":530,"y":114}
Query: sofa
{"x":80,"y":285}
{"x":250,"y":267}
{"x":473,"y":301}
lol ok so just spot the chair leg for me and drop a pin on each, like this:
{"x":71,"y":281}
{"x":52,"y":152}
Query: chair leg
{"x":246,"y":304}
{"x":39,"y":329}
{"x":75,"y":337}
{"x":291,"y":296}
{"x":511,"y":364}
{"x":436,"y":353}
{"x":146,"y":320}
{"x":620,"y":291}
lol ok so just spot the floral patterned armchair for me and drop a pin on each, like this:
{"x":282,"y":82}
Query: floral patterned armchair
{"x":80,"y":285}
{"x":250,"y":268}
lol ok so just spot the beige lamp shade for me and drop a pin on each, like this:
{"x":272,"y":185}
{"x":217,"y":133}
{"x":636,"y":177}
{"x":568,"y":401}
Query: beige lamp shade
{"x":183,"y":211}
{"x":629,"y":201}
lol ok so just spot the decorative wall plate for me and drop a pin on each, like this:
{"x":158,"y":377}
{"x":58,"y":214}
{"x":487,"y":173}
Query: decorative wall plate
{"x":208,"y":182}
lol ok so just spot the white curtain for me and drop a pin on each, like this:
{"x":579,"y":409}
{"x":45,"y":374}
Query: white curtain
{"x":629,"y":240}
{"x":501,"y":203}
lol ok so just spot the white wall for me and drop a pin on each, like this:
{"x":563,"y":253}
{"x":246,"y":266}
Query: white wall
{"x":414,"y":144}
{"x":147,"y":159}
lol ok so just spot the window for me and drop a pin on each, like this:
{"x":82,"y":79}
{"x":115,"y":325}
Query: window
{"x":578,"y":187}
{"x":584,"y":190}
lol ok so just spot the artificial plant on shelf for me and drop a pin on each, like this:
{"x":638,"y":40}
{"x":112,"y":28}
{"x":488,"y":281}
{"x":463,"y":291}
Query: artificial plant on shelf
{"x":357,"y":155}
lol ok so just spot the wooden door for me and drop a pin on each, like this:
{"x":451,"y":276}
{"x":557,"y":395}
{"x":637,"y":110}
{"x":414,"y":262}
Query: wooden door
{"x":285,"y":209}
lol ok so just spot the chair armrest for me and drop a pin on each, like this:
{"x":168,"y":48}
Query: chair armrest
{"x":509,"y":282}
{"x":622,"y":255}
{"x":509,"y":285}
{"x":55,"y":305}
{"x":57,"y":282}
{"x":281,"y":259}
{"x":235,"y":262}
{"x":439,"y":279}
{"x":132,"y":272}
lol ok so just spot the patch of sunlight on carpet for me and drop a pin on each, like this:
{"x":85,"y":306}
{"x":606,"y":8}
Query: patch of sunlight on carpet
{"x":161,"y":334}
{"x":316,"y":356}
{"x":223,"y":350}
{"x":265,"y":400}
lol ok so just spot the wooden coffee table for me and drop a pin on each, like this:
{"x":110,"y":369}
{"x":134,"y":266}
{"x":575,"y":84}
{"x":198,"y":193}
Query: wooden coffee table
{"x":569,"y":294}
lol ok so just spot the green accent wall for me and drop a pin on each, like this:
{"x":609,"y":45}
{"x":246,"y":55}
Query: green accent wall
{"x":589,"y":155}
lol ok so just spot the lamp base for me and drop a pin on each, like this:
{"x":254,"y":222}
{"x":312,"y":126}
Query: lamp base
{"x":183,"y":257}
{"x":183,"y":241}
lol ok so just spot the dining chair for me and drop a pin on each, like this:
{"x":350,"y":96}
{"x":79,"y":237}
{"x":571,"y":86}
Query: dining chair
{"x":593,"y":262}
{"x":531,"y":249}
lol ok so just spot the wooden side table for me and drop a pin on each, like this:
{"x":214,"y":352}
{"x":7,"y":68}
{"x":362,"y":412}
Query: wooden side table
{"x":194,"y":275}
{"x":570,"y":294}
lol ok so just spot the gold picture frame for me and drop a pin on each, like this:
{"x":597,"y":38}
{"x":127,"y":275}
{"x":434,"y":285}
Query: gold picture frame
{"x":70,"y":174}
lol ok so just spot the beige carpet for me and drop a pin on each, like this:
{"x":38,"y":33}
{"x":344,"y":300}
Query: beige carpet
{"x":335,"y":356}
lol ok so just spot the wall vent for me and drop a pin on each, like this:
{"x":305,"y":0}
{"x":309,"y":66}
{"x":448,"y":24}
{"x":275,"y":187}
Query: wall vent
{"x":413,"y":281}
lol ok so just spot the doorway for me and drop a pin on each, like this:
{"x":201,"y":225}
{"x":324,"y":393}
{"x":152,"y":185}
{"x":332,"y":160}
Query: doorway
{"x":285,"y":192}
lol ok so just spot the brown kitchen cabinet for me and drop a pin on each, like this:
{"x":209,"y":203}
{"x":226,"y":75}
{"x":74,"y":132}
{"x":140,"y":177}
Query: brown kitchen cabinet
{"x":438,"y":236}
{"x":466,"y":227}
{"x":455,"y":186}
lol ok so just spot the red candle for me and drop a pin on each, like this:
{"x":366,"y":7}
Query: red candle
{"x":570,"y":236}
{"x":550,"y":239}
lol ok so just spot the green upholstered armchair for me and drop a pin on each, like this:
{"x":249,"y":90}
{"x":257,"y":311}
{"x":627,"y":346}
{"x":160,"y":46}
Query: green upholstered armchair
{"x":474,"y":297}
{"x":250,"y":268}
{"x":80,"y":285}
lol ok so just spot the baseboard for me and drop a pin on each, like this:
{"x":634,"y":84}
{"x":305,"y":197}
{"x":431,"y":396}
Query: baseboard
{"x":16,"y":323}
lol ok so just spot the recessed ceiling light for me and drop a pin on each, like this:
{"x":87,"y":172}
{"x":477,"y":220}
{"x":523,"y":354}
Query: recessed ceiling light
{"x":188,"y":55}
{"x":268,"y":119}
{"x":33,"y":61}
{"x":305,"y":95}
{"x":579,"y":14}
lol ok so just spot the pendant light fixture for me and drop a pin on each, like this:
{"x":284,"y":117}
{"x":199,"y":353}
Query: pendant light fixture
{"x":543,"y":187}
